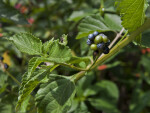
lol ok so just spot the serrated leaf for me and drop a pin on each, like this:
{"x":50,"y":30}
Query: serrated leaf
{"x":11,"y":14}
{"x":28,"y":85}
{"x":27,"y":43}
{"x":91,"y":24}
{"x":33,"y":63}
{"x":132,"y":12}
{"x":59,"y":53}
{"x":46,"y":46}
{"x":56,"y":95}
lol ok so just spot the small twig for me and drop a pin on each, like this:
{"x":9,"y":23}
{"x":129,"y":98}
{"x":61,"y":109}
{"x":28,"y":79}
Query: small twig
{"x":11,"y":76}
{"x":114,"y":41}
{"x":116,"y":38}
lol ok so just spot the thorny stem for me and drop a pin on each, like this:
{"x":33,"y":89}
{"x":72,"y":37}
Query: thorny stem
{"x":116,"y":48}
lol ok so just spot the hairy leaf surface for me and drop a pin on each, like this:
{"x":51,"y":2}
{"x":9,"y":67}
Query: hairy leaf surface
{"x":27,"y":43}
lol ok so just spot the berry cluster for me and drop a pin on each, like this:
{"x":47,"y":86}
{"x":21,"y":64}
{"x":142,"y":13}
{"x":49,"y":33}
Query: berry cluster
{"x":98,"y":42}
{"x":5,"y":66}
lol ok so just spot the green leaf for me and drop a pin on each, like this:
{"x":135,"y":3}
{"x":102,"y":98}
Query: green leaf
{"x":59,"y":53}
{"x":109,"y":88}
{"x":114,"y":21}
{"x":25,"y":103}
{"x":33,"y":63}
{"x":104,"y":105}
{"x":108,"y":96}
{"x":28,"y":85}
{"x":6,"y":108}
{"x":141,"y":104}
{"x":78,"y":15}
{"x":46,"y":46}
{"x":27,"y":43}
{"x":56,"y":95}
{"x":132,"y":14}
{"x":91,"y":24}
{"x":11,"y":14}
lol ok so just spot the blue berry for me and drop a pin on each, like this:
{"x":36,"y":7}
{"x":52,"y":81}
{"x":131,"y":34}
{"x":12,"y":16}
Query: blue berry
{"x":105,"y":50}
{"x":1,"y":58}
{"x":89,"y":42}
{"x":91,"y":36}
{"x":95,"y":33}
{"x":107,"y":43}
{"x":100,"y":45}
{"x":6,"y":66}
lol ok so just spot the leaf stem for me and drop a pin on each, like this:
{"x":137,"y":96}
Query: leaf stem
{"x":11,"y":76}
{"x":73,"y":67}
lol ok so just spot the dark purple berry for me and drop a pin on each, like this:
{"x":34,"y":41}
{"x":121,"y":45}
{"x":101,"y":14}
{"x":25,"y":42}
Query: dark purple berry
{"x":1,"y":58}
{"x":91,"y":37}
{"x":95,"y":33}
{"x":105,"y":50}
{"x":89,"y":42}
{"x":107,"y":43}
{"x":100,"y":45}
{"x":6,"y":66}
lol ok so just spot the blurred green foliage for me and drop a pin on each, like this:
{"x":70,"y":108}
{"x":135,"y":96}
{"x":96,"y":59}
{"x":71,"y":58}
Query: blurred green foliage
{"x":121,"y":87}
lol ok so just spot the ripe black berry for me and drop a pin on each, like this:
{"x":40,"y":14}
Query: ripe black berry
{"x":89,"y":42}
{"x":91,"y":36}
{"x":105,"y":50}
{"x":100,"y":45}
{"x":1,"y":58}
{"x":6,"y":66}
{"x":95,"y":33}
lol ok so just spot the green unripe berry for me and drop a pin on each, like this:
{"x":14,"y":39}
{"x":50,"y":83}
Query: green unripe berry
{"x":98,"y":39}
{"x":105,"y":39}
{"x":93,"y":47}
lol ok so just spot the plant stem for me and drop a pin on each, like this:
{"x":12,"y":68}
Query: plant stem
{"x":73,"y":67}
{"x":116,"y":38}
{"x":11,"y":76}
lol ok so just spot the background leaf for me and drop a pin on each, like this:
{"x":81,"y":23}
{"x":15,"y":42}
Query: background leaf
{"x":11,"y":14}
{"x":97,"y":23}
